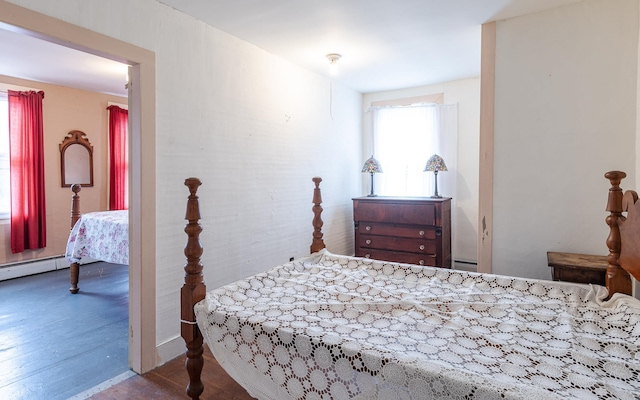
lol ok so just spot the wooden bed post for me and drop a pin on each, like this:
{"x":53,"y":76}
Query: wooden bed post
{"x":74,"y":268}
{"x":317,"y":244}
{"x":192,"y":292}
{"x":617,"y":278}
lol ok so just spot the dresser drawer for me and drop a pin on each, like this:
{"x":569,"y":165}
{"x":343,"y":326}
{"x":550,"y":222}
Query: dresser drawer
{"x":415,"y":214}
{"x":397,"y":256}
{"x":418,"y":232}
{"x":422,"y":246}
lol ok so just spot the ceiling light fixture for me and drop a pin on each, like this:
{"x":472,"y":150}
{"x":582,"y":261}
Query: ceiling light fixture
{"x":333,"y":63}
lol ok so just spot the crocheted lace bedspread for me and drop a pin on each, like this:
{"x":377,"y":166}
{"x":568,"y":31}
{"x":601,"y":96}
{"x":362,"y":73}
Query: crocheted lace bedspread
{"x":338,"y":327}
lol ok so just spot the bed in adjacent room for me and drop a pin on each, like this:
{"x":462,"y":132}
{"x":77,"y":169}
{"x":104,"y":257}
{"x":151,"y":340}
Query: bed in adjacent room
{"x":337,"y":327}
{"x":102,"y":235}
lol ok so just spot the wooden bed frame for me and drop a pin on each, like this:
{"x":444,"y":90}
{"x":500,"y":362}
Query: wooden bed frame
{"x":624,"y":236}
{"x":74,"y":268}
{"x":194,"y":289}
{"x":623,"y":260}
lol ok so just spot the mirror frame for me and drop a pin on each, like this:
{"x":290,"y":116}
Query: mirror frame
{"x":76,"y":137}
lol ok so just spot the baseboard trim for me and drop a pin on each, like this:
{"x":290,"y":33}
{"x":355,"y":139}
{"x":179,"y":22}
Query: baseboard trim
{"x":169,"y":350}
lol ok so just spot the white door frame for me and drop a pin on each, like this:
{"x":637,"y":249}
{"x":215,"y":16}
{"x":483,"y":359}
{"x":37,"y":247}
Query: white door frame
{"x":142,"y":181}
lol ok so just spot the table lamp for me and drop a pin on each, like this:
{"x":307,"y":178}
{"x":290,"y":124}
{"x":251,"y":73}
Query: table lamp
{"x":435,"y":164}
{"x":371,"y":166}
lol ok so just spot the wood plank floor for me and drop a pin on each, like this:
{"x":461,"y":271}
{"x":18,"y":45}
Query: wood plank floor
{"x":170,"y":380}
{"x":54,"y":345}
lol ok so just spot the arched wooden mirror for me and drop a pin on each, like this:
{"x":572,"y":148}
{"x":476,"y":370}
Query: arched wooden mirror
{"x":76,"y":160}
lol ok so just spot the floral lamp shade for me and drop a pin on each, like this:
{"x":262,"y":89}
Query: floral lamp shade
{"x":435,"y":164}
{"x":372,"y":166}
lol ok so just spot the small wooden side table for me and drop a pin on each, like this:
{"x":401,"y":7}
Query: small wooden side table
{"x":579,"y":268}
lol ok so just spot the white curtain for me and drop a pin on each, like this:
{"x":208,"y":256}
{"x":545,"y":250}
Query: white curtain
{"x":403,"y":140}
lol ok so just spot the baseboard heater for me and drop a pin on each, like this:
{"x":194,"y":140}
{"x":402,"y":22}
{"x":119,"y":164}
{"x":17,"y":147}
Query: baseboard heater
{"x":31,"y":267}
{"x":465,"y":265}
{"x":466,"y":262}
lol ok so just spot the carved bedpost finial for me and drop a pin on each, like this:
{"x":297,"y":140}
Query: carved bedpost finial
{"x":193,"y":207}
{"x":192,"y":292}
{"x":317,"y":244}
{"x":617,"y":278}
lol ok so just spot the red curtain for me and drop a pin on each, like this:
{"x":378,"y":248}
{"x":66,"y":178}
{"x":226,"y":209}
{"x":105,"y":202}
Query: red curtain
{"x":118,"y":158}
{"x":26,"y":143}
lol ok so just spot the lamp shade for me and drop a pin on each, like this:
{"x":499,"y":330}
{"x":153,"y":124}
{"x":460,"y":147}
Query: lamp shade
{"x":435,"y":163}
{"x":371,"y":166}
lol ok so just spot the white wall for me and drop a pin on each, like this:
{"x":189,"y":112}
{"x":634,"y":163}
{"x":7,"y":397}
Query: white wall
{"x":254,"y":128}
{"x":466,"y":94}
{"x":565,"y":113}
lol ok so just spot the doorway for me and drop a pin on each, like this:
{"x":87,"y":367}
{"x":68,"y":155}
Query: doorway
{"x":142,"y":310}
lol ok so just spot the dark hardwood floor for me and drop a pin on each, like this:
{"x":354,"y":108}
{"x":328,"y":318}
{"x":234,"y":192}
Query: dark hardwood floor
{"x":54,"y":345}
{"x":170,"y":380}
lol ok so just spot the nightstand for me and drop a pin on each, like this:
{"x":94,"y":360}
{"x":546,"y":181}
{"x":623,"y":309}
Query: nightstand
{"x":579,"y":268}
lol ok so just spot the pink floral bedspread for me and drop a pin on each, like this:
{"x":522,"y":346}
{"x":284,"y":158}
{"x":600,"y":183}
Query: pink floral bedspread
{"x":100,"y":235}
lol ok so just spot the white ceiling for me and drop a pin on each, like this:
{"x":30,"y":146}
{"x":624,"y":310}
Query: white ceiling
{"x":31,"y":58}
{"x":384,"y":44}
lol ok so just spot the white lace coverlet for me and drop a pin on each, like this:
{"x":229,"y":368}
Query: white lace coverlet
{"x":338,"y":327}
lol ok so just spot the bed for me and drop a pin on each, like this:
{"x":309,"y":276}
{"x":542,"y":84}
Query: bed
{"x":102,"y":235}
{"x":336,"y":327}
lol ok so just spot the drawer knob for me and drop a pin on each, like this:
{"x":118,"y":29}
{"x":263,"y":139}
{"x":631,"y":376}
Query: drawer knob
{"x":368,"y":241}
{"x":421,"y":262}
{"x":421,"y":247}
{"x":367,"y":256}
{"x":421,"y":233}
{"x":367,"y":228}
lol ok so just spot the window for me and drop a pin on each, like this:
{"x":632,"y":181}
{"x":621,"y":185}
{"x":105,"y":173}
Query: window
{"x":5,"y":185}
{"x":403,"y":140}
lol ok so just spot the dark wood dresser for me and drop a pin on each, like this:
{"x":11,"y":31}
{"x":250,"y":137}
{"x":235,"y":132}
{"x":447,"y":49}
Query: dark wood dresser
{"x":414,"y":230}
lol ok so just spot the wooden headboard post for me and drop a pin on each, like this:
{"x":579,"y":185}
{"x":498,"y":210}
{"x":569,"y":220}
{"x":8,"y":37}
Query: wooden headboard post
{"x":317,"y":243}
{"x":74,"y":268}
{"x":192,"y":292}
{"x":617,"y":279}
{"x":75,"y":204}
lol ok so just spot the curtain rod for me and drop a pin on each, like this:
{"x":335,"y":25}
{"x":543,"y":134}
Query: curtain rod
{"x":371,"y":108}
